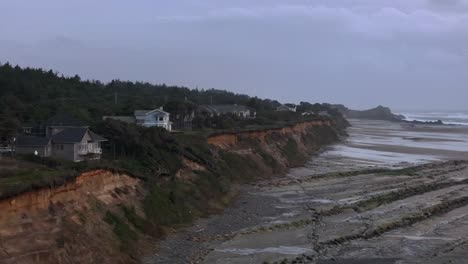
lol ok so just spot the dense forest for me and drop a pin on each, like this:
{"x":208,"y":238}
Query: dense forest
{"x":30,"y":95}
{"x":176,"y":192}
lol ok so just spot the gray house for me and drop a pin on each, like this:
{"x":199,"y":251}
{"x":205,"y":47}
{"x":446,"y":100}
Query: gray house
{"x":65,"y":138}
{"x":60,"y":122}
{"x":77,"y":144}
{"x":40,"y":146}
{"x":236,"y":110}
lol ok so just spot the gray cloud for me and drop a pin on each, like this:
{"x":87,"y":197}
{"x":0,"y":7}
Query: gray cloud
{"x":360,"y":53}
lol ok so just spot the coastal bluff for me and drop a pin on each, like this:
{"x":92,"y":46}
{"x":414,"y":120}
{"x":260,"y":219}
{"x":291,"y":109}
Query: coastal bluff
{"x":64,"y":224}
{"x":107,"y":216}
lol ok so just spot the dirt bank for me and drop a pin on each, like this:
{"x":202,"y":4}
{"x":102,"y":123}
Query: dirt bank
{"x":64,"y":224}
{"x":108,"y":217}
{"x":229,"y":140}
{"x":263,"y":154}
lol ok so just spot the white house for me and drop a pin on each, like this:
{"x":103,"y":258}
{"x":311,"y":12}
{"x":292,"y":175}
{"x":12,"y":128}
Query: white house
{"x":236,"y":110}
{"x":150,"y":118}
{"x":287,"y":107}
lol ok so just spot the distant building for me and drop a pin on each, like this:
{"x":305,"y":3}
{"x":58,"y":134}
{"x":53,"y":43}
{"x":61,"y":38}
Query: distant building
{"x":73,"y":143}
{"x":6,"y":148}
{"x":324,"y":114}
{"x":40,"y":146}
{"x":183,"y":121}
{"x":150,"y":118}
{"x":236,"y":110}
{"x":147,"y":118}
{"x":315,"y":113}
{"x":287,"y":107}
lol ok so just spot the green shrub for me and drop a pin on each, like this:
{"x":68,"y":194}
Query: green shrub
{"x":166,"y":206}
{"x":132,"y":217}
{"x":14,"y":182}
{"x":121,"y":229}
{"x":240,"y":168}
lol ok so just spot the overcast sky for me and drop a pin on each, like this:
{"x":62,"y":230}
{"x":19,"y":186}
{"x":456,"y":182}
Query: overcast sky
{"x":407,"y":54}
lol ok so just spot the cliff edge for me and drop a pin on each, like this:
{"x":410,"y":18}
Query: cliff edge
{"x":105,"y":216}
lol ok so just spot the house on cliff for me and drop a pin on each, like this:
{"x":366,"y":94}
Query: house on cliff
{"x":39,"y":146}
{"x":218,"y":110}
{"x":287,"y":107}
{"x":324,"y":114}
{"x":147,"y":118}
{"x":63,"y":137}
{"x":73,"y":143}
{"x":61,"y":122}
{"x":150,"y":118}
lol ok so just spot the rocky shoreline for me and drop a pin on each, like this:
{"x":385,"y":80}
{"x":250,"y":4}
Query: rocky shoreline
{"x":336,"y":210}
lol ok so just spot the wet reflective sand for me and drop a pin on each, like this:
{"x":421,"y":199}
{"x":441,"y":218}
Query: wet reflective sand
{"x":367,"y":216}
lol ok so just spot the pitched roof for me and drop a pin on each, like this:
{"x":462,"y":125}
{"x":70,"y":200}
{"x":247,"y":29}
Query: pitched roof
{"x":225,"y":109}
{"x":64,"y":119}
{"x":32,"y":141}
{"x":97,"y":137}
{"x":286,"y":107}
{"x":70,"y":135}
{"x":75,"y":135}
{"x":147,"y":112}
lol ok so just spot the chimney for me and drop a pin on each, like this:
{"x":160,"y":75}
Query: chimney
{"x":161,"y":108}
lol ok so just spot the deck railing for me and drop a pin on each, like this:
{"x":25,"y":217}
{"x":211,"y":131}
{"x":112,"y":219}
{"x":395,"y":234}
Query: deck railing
{"x":89,"y":148}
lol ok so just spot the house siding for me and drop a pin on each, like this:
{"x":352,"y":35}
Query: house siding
{"x":68,"y":151}
{"x":153,"y":119}
{"x":43,"y":151}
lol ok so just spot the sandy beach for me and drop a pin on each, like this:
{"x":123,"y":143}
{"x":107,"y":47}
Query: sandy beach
{"x":345,"y":206}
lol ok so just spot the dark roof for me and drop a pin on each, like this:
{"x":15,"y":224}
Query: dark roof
{"x":70,"y":135}
{"x":64,"y":119}
{"x":225,"y":109}
{"x":97,"y":137}
{"x":32,"y":141}
{"x":75,"y":135}
{"x":146,"y":112}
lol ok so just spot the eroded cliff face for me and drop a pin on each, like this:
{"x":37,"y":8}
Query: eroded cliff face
{"x":275,"y":150}
{"x":229,"y":140}
{"x":65,"y":224}
{"x":80,"y":222}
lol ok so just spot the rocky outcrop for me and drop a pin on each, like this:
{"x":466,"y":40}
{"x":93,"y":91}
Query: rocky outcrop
{"x":65,"y":224}
{"x":378,"y":113}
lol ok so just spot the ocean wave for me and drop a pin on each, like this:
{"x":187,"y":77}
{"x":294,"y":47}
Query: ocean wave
{"x":450,"y":118}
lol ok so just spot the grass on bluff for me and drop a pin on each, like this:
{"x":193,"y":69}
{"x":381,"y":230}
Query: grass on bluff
{"x":121,"y":229}
{"x":13,"y":182}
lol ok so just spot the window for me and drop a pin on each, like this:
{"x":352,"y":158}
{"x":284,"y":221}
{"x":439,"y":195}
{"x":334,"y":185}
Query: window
{"x":58,"y":147}
{"x":161,"y":118}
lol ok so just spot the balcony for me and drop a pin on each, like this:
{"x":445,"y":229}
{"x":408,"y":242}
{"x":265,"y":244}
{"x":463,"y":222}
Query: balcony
{"x":89,"y":148}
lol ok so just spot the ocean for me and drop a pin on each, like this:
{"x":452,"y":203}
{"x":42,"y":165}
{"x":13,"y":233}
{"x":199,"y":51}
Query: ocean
{"x":450,"y":118}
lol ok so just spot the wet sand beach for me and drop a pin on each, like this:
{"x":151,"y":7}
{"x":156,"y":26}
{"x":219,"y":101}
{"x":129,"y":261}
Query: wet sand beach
{"x":345,"y":206}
